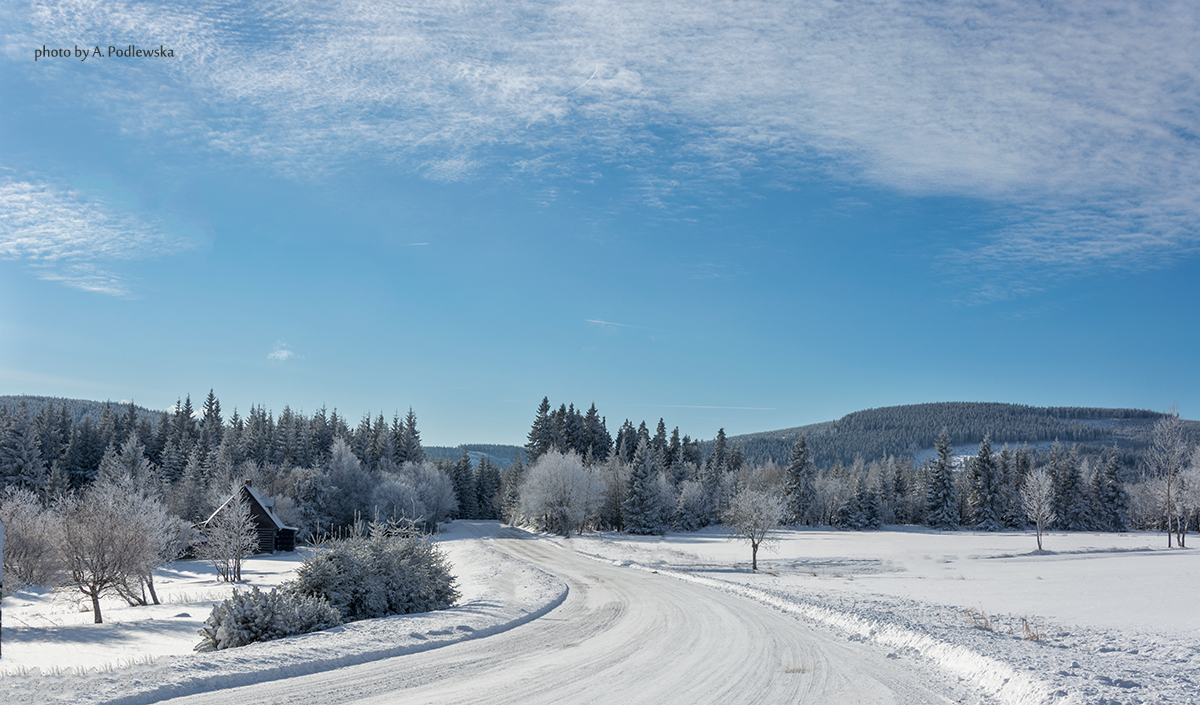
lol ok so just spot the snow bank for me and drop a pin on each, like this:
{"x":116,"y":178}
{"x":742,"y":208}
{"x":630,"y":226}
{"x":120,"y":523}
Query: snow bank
{"x":498,"y":593}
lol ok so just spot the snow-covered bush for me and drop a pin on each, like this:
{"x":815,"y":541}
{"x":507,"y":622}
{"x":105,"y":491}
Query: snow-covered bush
{"x":378,"y":575}
{"x":253,"y":616}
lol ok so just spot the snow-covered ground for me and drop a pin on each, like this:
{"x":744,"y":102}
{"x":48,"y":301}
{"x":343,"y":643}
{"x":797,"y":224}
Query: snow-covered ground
{"x":1114,"y":614}
{"x":52,"y":650}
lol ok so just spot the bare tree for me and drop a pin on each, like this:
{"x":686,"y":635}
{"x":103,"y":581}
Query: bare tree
{"x":1188,"y":497}
{"x":1166,"y":456}
{"x":560,"y":493}
{"x":752,"y":515}
{"x":105,"y":545}
{"x":1037,"y":499}
{"x":229,"y":536}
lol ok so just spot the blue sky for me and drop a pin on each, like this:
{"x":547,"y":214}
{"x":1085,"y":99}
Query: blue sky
{"x":728,"y":214}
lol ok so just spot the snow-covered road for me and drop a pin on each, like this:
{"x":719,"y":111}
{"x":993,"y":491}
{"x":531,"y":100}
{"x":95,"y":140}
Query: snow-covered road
{"x":622,"y":636}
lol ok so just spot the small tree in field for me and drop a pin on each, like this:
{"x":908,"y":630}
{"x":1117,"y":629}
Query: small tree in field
{"x":752,"y":515}
{"x":1037,"y":498}
{"x":230,"y":536}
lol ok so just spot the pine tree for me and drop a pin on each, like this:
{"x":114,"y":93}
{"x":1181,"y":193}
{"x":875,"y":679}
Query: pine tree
{"x":798,"y":492}
{"x":719,"y":453}
{"x":941,"y":499}
{"x":659,"y":442}
{"x":211,"y":424}
{"x":986,"y":500}
{"x":21,"y":463}
{"x":674,"y":456}
{"x":510,"y":504}
{"x":1109,"y":492}
{"x":412,"y":439}
{"x":465,"y":488}
{"x":599,"y":442}
{"x":1070,"y":493}
{"x":642,"y":509}
{"x":489,"y":482}
{"x":83,"y":454}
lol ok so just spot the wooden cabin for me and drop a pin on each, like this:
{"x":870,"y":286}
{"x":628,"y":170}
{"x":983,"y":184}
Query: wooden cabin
{"x":273,"y":534}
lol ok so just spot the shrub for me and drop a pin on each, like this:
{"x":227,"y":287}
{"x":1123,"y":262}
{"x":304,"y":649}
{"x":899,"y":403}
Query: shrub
{"x":386,"y":573}
{"x":253,"y":616}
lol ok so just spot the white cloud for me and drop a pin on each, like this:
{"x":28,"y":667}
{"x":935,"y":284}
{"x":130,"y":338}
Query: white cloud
{"x":66,"y":237}
{"x":281,"y":352}
{"x":1058,"y":108}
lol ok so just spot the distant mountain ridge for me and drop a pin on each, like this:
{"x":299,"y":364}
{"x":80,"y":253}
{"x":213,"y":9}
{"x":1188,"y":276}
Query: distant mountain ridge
{"x":77,"y":408}
{"x":905,"y":431}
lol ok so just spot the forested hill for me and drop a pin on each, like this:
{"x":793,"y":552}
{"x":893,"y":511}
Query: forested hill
{"x":904,"y":431}
{"x":76,"y":408}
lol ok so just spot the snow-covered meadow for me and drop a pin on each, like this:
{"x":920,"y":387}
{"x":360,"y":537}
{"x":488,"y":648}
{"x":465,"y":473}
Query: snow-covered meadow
{"x":1098,"y":618}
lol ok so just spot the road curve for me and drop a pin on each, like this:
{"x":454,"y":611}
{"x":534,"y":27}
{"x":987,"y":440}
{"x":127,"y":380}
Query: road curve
{"x":620,"y":636}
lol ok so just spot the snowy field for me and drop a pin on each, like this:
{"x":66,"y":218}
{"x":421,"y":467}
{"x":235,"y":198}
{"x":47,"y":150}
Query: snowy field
{"x":1099,"y":618}
{"x":1110,"y":617}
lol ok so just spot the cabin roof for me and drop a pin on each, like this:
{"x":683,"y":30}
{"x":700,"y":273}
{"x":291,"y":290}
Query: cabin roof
{"x":256,"y":497}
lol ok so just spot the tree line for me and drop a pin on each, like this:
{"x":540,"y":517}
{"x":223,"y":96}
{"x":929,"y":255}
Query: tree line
{"x":652,"y":483}
{"x":72,"y":490}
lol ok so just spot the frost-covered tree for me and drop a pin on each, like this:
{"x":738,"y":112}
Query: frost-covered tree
{"x":614,"y":475}
{"x":1108,"y":489}
{"x":21,"y":463}
{"x":541,"y":435}
{"x":1071,"y":500}
{"x":230,"y":536}
{"x":465,"y":488}
{"x":986,"y":489}
{"x":435,"y":490}
{"x":752,"y":515}
{"x":798,"y":491}
{"x":488,"y":484}
{"x":560,"y":494}
{"x":348,"y":496}
{"x":941,"y":497}
{"x":33,"y":534}
{"x":1166,"y":457}
{"x":105,"y":546}
{"x":1037,"y":498}
{"x":643,"y":508}
{"x":691,"y":507}
{"x":510,"y":491}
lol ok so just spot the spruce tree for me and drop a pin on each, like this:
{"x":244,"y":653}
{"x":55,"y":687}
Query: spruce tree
{"x":642,"y":509}
{"x":798,"y":492}
{"x":986,"y":500}
{"x":1112,"y":501}
{"x":488,"y":480}
{"x":1070,"y":493}
{"x":21,"y":463}
{"x":510,"y":504}
{"x":941,"y":500}
{"x":465,"y":488}
{"x":412,"y":439}
{"x":211,"y":424}
{"x":541,"y":435}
